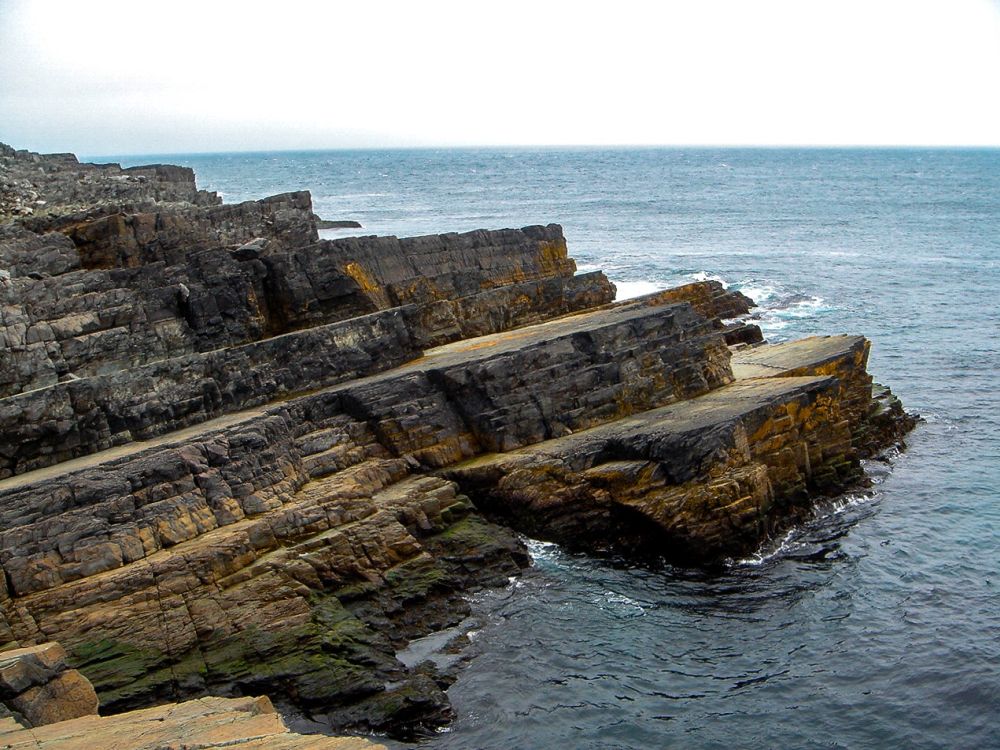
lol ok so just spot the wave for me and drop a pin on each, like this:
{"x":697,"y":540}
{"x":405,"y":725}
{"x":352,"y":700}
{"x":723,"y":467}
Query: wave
{"x":632,"y":289}
{"x":779,"y":307}
{"x":706,"y":276}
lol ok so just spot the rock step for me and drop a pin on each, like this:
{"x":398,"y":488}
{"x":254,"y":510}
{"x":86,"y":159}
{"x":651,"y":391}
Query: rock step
{"x":645,"y":356}
{"x":261,"y":604}
{"x":245,"y":723}
{"x":79,"y":417}
{"x":189,"y":285}
{"x":125,"y":507}
{"x":695,"y":481}
{"x":844,"y":357}
{"x":501,"y":391}
{"x":57,"y":328}
{"x":519,"y":387}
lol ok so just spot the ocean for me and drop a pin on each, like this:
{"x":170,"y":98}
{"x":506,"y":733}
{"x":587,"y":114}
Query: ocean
{"x":874,"y":625}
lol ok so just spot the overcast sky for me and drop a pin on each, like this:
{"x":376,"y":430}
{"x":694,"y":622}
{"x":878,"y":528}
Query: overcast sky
{"x":101,"y":77}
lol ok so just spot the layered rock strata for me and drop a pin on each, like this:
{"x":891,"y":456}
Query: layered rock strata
{"x":238,"y":460}
{"x":701,"y":480}
{"x":47,"y":706}
{"x":205,"y":723}
{"x":37,"y":687}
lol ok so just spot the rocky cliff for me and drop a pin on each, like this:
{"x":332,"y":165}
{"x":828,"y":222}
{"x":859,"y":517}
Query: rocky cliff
{"x":238,"y":460}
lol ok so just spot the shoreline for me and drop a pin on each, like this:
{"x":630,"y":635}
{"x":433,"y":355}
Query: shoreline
{"x":413,"y":403}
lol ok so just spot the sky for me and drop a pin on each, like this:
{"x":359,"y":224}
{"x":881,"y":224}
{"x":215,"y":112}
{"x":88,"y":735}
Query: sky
{"x":108,"y":77}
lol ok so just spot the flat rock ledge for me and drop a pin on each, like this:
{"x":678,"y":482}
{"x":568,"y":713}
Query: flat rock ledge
{"x":239,"y":460}
{"x":44,"y":705}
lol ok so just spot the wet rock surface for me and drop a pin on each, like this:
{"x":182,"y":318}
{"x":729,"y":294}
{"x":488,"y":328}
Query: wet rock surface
{"x":239,"y":460}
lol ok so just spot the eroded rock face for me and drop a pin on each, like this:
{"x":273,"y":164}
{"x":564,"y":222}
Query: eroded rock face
{"x":37,"y":687}
{"x":237,"y":460}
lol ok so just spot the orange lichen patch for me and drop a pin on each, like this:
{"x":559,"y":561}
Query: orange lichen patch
{"x":481,"y":344}
{"x":365,"y":281}
{"x":553,"y":251}
{"x":490,"y":341}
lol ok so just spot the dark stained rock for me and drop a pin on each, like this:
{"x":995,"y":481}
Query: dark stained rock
{"x":133,"y":239}
{"x":340,"y":224}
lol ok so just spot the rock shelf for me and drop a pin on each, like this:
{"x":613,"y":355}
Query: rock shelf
{"x":239,"y":460}
{"x":46,"y":705}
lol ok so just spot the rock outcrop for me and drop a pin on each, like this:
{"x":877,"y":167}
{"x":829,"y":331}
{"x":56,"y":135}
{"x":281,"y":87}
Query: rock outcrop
{"x":239,"y":460}
{"x":204,"y":723}
{"x":37,"y":687}
{"x":337,"y":224}
{"x":43,"y":185}
{"x":48,"y":706}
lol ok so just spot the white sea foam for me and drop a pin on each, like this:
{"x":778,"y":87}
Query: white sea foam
{"x":801,"y":308}
{"x":619,"y":605}
{"x":541,"y":551}
{"x":769,"y":551}
{"x":759,"y":291}
{"x":706,"y":276}
{"x":851,"y":500}
{"x":633,"y":289}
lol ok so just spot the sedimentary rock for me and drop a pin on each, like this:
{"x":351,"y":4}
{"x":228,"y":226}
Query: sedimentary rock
{"x":37,"y":687}
{"x":249,"y":723}
{"x":702,"y":480}
{"x":235,"y":459}
{"x":45,"y":704}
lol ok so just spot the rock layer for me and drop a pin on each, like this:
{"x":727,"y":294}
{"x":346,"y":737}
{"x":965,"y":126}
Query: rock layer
{"x":702,"y":480}
{"x":37,"y":687}
{"x":46,"y":705}
{"x":238,"y":460}
{"x":243,"y":723}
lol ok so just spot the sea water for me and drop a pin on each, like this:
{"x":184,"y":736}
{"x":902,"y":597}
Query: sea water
{"x":874,"y":625}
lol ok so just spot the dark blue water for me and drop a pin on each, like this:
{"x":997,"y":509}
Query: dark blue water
{"x":877,"y":624}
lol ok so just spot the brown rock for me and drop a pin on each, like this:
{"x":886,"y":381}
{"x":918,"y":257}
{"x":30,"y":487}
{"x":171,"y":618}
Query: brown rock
{"x":249,"y":723}
{"x":38,"y":686}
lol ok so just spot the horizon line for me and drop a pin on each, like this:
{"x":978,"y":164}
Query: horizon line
{"x":561,"y":147}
